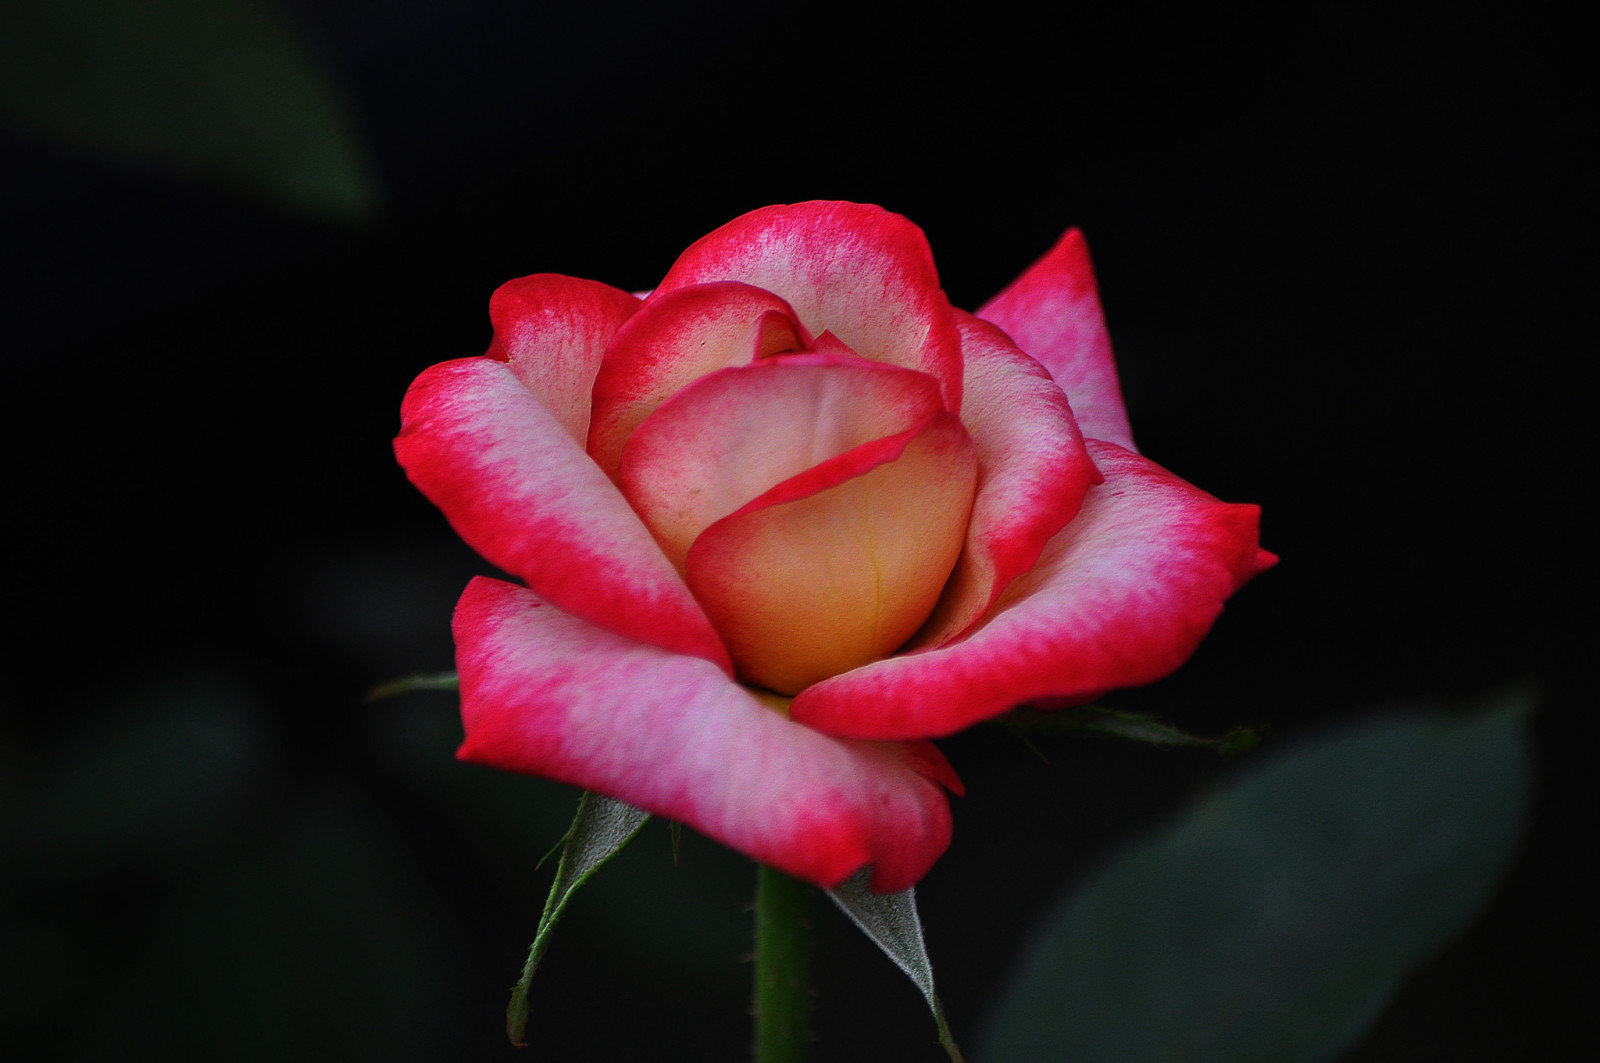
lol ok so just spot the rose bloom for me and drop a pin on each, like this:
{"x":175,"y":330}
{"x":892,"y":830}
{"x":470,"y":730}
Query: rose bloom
{"x":789,"y":517}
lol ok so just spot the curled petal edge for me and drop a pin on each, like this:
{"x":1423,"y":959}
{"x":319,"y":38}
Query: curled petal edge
{"x":553,"y":330}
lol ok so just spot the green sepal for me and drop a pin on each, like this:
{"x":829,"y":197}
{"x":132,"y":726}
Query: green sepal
{"x":412,"y":683}
{"x":598,"y":832}
{"x":891,"y":921}
{"x":1129,"y":726}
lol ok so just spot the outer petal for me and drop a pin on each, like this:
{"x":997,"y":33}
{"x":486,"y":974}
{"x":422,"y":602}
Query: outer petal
{"x":1053,"y":312}
{"x":1032,"y":473}
{"x":674,"y":340}
{"x":858,"y":271}
{"x":1121,"y":597}
{"x":517,"y":487}
{"x":546,"y":693}
{"x":553,"y":330}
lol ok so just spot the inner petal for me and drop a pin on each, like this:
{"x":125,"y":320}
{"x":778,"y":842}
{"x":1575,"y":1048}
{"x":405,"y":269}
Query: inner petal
{"x":674,"y":339}
{"x":738,"y":433}
{"x":839,"y":566}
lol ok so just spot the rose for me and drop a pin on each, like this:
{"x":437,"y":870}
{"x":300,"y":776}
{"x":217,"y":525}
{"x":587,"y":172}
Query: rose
{"x":790,"y":517}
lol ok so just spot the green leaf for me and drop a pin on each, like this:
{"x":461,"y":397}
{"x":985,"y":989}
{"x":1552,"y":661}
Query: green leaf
{"x":1129,"y":726}
{"x":598,"y":832}
{"x":1275,"y":920}
{"x":891,"y":921}
{"x":219,"y":89}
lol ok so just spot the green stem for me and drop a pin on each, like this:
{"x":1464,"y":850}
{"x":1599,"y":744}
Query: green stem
{"x":783,"y":953}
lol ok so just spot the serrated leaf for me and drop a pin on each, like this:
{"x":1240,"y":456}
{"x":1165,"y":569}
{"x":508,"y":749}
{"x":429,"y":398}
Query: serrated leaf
{"x":891,"y":921}
{"x":598,"y":832}
{"x":222,"y":89}
{"x":1277,"y":918}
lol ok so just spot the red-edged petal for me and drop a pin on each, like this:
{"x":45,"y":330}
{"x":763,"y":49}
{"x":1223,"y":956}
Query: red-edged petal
{"x":1033,"y":471}
{"x":521,"y":492}
{"x":676,"y":338}
{"x":1053,"y":313}
{"x":858,"y":271}
{"x":1122,"y":596}
{"x":545,"y":693}
{"x":553,"y":330}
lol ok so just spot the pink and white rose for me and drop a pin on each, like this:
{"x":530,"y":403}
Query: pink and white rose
{"x":789,"y":517}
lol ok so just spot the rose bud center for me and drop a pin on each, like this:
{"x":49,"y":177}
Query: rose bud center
{"x":815,"y":504}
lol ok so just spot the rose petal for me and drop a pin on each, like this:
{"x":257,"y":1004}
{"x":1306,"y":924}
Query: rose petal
{"x":553,"y":330}
{"x":516,"y":486}
{"x":1032,"y":473}
{"x":858,"y":271}
{"x":736,"y":434}
{"x":841,"y":565}
{"x":676,"y":338}
{"x":545,"y":693}
{"x":1053,"y":313}
{"x":1120,"y":597}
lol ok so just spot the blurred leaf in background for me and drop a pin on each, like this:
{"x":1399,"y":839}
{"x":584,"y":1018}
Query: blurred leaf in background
{"x":221,"y":90}
{"x":1275,"y":921}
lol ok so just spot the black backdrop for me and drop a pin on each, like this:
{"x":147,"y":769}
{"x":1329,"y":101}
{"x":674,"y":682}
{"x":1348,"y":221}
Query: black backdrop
{"x":1344,"y":256}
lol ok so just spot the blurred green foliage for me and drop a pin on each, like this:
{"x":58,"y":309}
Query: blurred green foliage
{"x":221,"y":90}
{"x":1275,"y":920}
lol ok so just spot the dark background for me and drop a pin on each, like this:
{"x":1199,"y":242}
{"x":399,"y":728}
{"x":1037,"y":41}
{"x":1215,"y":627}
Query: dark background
{"x":1345,"y":256}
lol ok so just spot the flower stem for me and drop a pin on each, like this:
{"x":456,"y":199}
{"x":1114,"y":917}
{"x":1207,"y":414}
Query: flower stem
{"x":783,"y":954}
